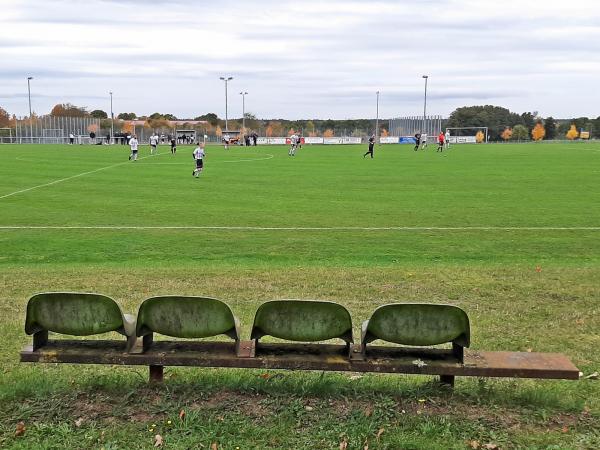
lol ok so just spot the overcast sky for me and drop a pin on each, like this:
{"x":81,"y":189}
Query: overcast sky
{"x":301,"y":59}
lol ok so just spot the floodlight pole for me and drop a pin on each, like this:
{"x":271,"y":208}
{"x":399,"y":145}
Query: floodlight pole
{"x":30,"y":114}
{"x":425,"y":104}
{"x":243,"y":94}
{"x":112,"y":119}
{"x":226,"y":79}
{"x":377,"y":119}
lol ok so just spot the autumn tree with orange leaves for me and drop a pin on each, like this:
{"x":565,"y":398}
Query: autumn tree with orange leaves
{"x":506,"y":134}
{"x":538,"y":132}
{"x":572,"y":133}
{"x":4,"y":119}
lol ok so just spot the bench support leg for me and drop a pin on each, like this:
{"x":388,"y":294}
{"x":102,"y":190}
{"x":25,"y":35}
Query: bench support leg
{"x":156,"y":374}
{"x":447,"y":380}
{"x":40,"y":339}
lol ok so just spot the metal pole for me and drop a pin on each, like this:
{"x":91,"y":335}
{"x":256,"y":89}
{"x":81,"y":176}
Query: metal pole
{"x":243,"y":94}
{"x":226,"y":108}
{"x":377,"y":120}
{"x":226,"y":118}
{"x":112,"y":119}
{"x":30,"y":115}
{"x":425,"y":103}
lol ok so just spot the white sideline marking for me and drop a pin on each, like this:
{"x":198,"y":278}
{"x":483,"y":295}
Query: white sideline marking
{"x":250,"y":228}
{"x":115,"y":165}
{"x":71,"y":177}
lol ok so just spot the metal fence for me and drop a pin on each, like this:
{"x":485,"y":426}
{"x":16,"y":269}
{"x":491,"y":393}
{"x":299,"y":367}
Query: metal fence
{"x":409,"y":126}
{"x":55,"y":130}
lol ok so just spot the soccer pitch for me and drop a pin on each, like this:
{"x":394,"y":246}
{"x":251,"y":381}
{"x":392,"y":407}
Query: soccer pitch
{"x":529,"y":204}
{"x":509,"y":232}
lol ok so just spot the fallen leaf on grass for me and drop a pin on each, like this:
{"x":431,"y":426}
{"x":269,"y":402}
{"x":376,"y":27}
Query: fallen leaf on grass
{"x":369,"y":411}
{"x":20,"y":431}
{"x":309,"y":408}
{"x":214,"y":446}
{"x":78,"y":422}
{"x":366,"y":445}
{"x":491,"y":447}
{"x":265,"y":376}
{"x":379,"y":433}
{"x":565,"y":429}
{"x":158,"y":440}
{"x":181,"y":415}
{"x":344,"y":444}
{"x":474,"y":444}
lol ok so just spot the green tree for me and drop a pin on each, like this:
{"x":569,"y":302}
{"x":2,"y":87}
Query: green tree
{"x":520,"y":132}
{"x":211,"y":118}
{"x":596,"y":127}
{"x":99,"y":114}
{"x":495,"y":118}
{"x":550,"y":125}
{"x":528,"y":119}
{"x":127,"y":116}
{"x":562,"y":128}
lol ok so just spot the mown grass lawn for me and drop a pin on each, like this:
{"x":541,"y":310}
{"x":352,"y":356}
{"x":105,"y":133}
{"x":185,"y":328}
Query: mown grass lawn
{"x":507,"y":232}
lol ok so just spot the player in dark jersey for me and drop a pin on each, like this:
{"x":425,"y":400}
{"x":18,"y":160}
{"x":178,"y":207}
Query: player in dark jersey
{"x":371,"y":146}
{"x":173,"y":145}
{"x":417,"y":141}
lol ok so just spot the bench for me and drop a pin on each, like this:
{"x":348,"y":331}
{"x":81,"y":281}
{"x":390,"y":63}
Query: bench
{"x":410,"y":331}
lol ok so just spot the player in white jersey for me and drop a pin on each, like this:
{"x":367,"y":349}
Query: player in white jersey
{"x":293,"y":145}
{"x":153,"y":143}
{"x":198,"y":155}
{"x":423,"y":141}
{"x":133,"y":144}
{"x":447,"y":139}
{"x":226,"y":140}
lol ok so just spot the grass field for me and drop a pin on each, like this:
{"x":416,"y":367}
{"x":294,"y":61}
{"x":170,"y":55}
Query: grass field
{"x":510,"y":233}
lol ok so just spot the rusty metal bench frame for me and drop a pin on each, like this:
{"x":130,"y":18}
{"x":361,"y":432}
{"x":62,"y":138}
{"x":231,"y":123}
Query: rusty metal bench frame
{"x":322,"y":357}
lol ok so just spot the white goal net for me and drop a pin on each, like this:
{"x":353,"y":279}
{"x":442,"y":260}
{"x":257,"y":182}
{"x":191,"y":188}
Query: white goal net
{"x":467,"y":135}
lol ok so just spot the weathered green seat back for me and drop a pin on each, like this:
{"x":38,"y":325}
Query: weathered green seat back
{"x":419,"y":324}
{"x":78,"y":314}
{"x":185,"y":317}
{"x":302,"y":320}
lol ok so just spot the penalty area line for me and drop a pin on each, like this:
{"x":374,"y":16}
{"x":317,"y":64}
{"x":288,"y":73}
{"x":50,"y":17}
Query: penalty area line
{"x":253,"y":228}
{"x":71,"y":177}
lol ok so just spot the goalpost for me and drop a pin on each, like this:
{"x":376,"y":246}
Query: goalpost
{"x":6,"y":136}
{"x":52,"y":135}
{"x":467,"y":135}
{"x":185,"y":134}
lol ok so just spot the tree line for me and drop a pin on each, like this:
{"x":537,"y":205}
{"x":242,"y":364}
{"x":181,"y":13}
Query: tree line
{"x":504,"y":125}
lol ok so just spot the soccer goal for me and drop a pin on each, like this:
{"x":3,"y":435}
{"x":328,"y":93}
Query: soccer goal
{"x":7,"y":136}
{"x":185,"y":136}
{"x":52,"y":136}
{"x":467,"y":135}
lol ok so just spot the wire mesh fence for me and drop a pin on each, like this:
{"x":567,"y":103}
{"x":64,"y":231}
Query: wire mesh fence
{"x":409,"y":126}
{"x":55,"y":130}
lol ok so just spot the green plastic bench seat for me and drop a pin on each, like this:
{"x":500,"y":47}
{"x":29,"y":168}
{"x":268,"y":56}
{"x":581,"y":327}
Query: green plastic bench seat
{"x":302,"y":321}
{"x":76,"y":314}
{"x":185,"y":317}
{"x":418,"y":324}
